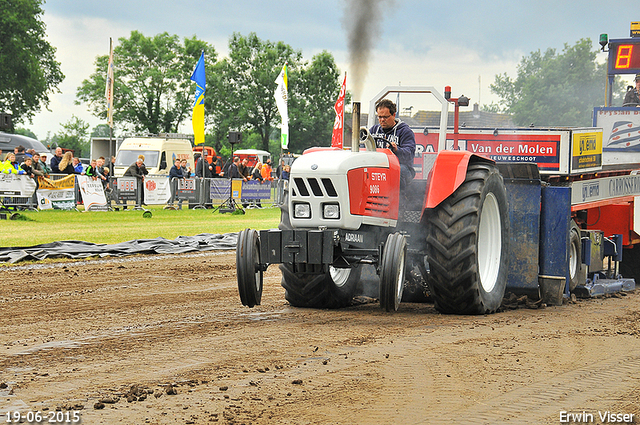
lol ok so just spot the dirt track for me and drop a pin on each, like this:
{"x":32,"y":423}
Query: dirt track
{"x":133,"y":331}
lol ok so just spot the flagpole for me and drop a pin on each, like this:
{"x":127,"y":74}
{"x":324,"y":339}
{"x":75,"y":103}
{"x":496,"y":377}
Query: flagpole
{"x":112,"y":150}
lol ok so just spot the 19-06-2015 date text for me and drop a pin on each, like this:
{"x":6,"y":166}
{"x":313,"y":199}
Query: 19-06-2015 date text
{"x":38,"y":417}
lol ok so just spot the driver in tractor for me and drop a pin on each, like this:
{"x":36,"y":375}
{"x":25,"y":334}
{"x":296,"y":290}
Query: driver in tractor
{"x":396,"y":135}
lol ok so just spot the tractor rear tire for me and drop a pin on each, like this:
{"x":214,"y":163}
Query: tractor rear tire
{"x":248,"y":272}
{"x":467,"y":244}
{"x":334,"y":289}
{"x":392,"y":270}
{"x":577,"y":270}
{"x":630,"y":265}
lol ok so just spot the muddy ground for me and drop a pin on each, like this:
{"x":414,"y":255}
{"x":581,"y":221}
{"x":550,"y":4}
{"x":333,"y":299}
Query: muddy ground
{"x":165,"y":340}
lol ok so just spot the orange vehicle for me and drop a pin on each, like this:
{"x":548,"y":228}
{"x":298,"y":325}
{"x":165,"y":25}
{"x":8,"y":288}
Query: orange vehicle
{"x":211,"y":157}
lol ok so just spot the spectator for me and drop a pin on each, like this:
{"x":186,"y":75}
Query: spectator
{"x":37,"y":166}
{"x":112,"y":165}
{"x":20,"y":154}
{"x":203,"y":168}
{"x":65,"y":166}
{"x":285,"y":172}
{"x":103,"y":173}
{"x":37,"y":170}
{"x":256,"y":174}
{"x":77,"y":165}
{"x":266,"y":171}
{"x":244,"y":169}
{"x":55,"y":161}
{"x":175,"y":174}
{"x":280,"y":169}
{"x":45,"y":168}
{"x":26,"y":166}
{"x":234,"y":168}
{"x":186,"y":171}
{"x":10,"y":165}
{"x":143,"y":170}
{"x":138,"y":170}
{"x":91,"y":170}
{"x":217,"y":165}
{"x":632,"y":97}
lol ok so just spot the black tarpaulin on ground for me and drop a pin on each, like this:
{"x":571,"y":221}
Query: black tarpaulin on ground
{"x":80,"y":249}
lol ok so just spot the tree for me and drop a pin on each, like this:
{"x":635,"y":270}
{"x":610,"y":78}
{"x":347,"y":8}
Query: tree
{"x":74,"y":135}
{"x":152,"y":87}
{"x":101,"y":130}
{"x":28,"y":69}
{"x":25,"y":132}
{"x":555,"y":90}
{"x":313,"y":92}
{"x":251,"y":71}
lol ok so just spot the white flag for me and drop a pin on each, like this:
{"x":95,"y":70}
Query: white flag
{"x":281,"y":102}
{"x":108,"y":93}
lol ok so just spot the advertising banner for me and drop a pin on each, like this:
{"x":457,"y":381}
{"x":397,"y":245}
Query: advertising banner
{"x":219,"y":188}
{"x":156,"y":190}
{"x":126,"y":188}
{"x":57,"y":194}
{"x":253,"y":189}
{"x":16,"y":185}
{"x":92,"y":194}
{"x":586,"y":152}
{"x":188,"y":189}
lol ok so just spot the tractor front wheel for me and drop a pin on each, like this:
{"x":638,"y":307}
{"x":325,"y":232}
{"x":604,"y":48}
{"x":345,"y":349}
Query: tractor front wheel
{"x":392,"y":270}
{"x":248,"y":269}
{"x":333,"y":289}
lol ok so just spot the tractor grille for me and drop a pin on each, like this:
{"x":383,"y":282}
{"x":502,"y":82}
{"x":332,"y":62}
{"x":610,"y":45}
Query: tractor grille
{"x":377,"y":205}
{"x":307,"y":186}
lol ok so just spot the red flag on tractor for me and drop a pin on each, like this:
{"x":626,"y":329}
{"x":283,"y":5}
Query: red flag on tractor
{"x":338,"y":124}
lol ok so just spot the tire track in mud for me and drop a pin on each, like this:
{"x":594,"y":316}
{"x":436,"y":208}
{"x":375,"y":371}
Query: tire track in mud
{"x":574,"y":391}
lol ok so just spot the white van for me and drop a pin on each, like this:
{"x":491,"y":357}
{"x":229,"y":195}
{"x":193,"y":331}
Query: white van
{"x":160,"y":152}
{"x":252,"y":155}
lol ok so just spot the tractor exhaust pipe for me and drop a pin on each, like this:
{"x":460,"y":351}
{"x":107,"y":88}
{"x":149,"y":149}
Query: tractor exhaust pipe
{"x":355,"y":127}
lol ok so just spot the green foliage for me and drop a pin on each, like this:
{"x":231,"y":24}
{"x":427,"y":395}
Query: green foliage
{"x":555,"y":89}
{"x":25,"y":132}
{"x":153,"y":92}
{"x":152,"y":87}
{"x":313,"y":92}
{"x":250,"y":72}
{"x":74,"y":135}
{"x":101,"y":130}
{"x":28,"y":69}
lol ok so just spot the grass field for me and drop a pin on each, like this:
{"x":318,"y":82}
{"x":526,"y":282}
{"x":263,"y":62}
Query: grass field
{"x":35,"y":228}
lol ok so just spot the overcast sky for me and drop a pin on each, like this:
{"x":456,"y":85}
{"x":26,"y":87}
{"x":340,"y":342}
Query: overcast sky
{"x":464,"y":44}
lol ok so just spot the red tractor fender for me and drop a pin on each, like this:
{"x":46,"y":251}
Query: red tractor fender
{"x":447,"y":174}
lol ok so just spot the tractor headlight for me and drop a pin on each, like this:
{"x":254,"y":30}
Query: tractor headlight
{"x":302,"y":211}
{"x":331,"y":211}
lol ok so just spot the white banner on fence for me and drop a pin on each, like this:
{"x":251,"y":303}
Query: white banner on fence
{"x":92,"y":194}
{"x":16,"y":185}
{"x":59,"y":199}
{"x":156,"y":190}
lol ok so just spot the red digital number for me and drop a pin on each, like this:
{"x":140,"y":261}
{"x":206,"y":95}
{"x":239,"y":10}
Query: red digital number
{"x":623,"y":58}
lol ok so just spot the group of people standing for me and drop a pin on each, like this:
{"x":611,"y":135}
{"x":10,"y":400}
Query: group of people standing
{"x":21,"y":162}
{"x":179,"y":171}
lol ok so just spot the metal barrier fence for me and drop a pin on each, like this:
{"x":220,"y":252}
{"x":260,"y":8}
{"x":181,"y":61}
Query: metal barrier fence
{"x":124,"y":192}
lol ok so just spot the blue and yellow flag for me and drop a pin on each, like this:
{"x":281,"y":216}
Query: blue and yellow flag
{"x":198,"y":105}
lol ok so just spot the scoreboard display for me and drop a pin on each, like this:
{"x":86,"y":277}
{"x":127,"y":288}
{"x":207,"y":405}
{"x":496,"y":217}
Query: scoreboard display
{"x":624,"y":56}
